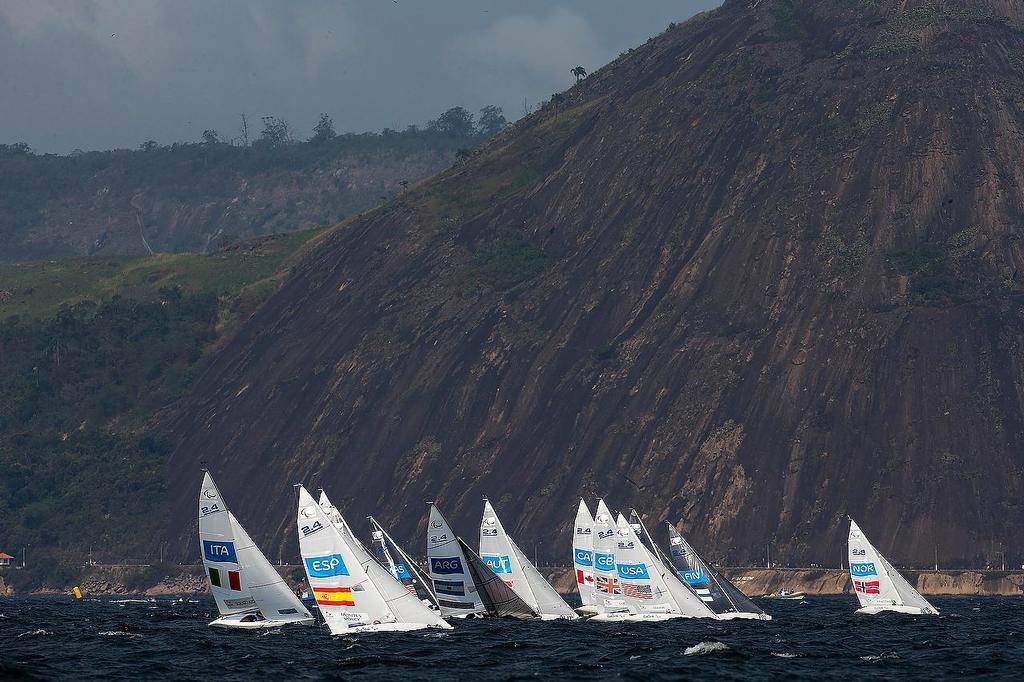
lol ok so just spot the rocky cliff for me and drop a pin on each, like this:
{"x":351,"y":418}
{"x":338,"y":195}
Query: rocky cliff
{"x":757,"y":274}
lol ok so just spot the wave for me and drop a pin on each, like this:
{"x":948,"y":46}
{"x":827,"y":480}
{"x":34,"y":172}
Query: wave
{"x":703,"y":648}
{"x":874,"y":658}
{"x":784,"y":654}
{"x":34,"y":633}
{"x":116,"y":633}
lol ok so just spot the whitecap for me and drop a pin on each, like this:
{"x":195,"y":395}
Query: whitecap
{"x":703,"y":648}
{"x":34,"y":633}
{"x":116,"y":633}
{"x":890,"y":656}
{"x":784,"y":654}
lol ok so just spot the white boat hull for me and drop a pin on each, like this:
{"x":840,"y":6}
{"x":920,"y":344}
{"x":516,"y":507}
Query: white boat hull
{"x":743,"y":615}
{"x":910,"y":610}
{"x":388,"y":627}
{"x":588,"y":611}
{"x":238,"y":622}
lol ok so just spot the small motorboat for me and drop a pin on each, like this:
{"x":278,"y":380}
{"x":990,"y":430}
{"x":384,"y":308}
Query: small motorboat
{"x":785,"y":594}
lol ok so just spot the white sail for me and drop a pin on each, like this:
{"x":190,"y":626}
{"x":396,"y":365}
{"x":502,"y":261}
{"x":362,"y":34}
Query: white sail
{"x":507,"y":561}
{"x":269,"y":590}
{"x":347,"y":599}
{"x":408,"y":611}
{"x":879,"y":586}
{"x":220,"y":556}
{"x":449,"y":570}
{"x":607,"y":590}
{"x":641,"y":582}
{"x":583,"y":555}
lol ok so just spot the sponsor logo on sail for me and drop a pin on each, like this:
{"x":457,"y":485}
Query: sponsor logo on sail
{"x":315,"y":527}
{"x":866,"y":586}
{"x":489,"y":532}
{"x":862,"y":570}
{"x":435,"y":524}
{"x":445,"y":565}
{"x":626,"y":545}
{"x":858,"y":552}
{"x":206,"y":511}
{"x":602,"y":534}
{"x":632,"y":571}
{"x":209,"y":494}
{"x":499,"y":563}
{"x":452,"y":588}
{"x":583,"y":557}
{"x":439,"y":539}
{"x":675,"y":541}
{"x":307,"y":512}
{"x":583,"y":531}
{"x":223,"y":552}
{"x":326,"y":566}
{"x":604,"y":562}
{"x":242,"y":603}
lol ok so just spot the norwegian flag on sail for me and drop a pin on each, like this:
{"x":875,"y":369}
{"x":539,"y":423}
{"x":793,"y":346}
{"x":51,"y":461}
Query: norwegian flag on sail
{"x":866,"y":586}
{"x":608,"y":583}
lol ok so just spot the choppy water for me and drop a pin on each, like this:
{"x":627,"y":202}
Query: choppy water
{"x":974,"y":638}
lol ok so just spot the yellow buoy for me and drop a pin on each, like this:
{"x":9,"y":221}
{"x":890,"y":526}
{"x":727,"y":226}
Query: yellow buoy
{"x":77,"y":591}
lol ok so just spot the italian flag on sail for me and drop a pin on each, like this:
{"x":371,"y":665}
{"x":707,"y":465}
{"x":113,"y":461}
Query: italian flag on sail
{"x":233,"y":580}
{"x":334,"y":596}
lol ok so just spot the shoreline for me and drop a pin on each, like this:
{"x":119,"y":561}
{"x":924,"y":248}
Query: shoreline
{"x":141,"y":581}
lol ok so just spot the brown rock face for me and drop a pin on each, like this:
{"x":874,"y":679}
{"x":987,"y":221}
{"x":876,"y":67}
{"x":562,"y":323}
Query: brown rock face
{"x":762,"y":272}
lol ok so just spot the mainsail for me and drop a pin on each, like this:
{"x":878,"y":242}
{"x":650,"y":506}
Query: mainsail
{"x":507,"y":561}
{"x":269,"y":590}
{"x":718,"y":593}
{"x":606,"y":584}
{"x":583,"y":555}
{"x":879,"y":586}
{"x":339,"y":570}
{"x":408,"y":610}
{"x":401,"y":565}
{"x":456,"y":590}
{"x":220,"y":556}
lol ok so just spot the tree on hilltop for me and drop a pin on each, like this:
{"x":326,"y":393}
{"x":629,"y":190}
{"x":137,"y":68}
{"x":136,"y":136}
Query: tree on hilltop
{"x":323,"y":130}
{"x":492,"y":121}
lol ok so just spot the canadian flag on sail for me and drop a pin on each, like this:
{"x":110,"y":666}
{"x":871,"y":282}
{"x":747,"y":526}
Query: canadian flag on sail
{"x":583,"y":578}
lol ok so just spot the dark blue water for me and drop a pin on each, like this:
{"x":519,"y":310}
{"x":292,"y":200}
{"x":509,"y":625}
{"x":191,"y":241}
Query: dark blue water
{"x":56,"y":638}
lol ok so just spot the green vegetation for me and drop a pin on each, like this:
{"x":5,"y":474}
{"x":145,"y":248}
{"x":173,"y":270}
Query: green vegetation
{"x":239,"y":189}
{"x":932,"y":283}
{"x":509,"y":261}
{"x":91,"y":350}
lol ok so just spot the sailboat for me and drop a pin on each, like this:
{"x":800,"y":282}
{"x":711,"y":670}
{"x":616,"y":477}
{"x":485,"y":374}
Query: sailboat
{"x":583,"y":559}
{"x":721,"y":596}
{"x":353,"y":591}
{"x":464,"y":584}
{"x":878,"y":586}
{"x":607,"y":590}
{"x":503,"y":556}
{"x":402,"y":567}
{"x":651,"y":589}
{"x":249,"y":593}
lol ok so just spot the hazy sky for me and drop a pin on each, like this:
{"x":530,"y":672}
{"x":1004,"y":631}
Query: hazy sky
{"x":96,"y":74}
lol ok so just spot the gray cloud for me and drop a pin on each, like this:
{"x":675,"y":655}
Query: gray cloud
{"x":97,"y":74}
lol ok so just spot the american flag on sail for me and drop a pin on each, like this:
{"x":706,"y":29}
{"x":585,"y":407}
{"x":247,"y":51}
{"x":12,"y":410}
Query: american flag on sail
{"x":608,"y":584}
{"x":866,"y":586}
{"x":637,"y":591}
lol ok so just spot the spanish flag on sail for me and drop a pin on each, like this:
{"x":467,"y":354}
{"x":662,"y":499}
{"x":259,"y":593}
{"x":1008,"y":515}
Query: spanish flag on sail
{"x":334,"y":596}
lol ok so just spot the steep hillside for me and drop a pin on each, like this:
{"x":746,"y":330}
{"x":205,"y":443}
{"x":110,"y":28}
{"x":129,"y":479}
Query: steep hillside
{"x":201,"y":197}
{"x":756,"y":274}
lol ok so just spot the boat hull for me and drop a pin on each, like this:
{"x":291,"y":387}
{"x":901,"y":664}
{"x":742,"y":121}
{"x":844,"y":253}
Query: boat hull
{"x":910,"y":610}
{"x":744,"y":616}
{"x":388,"y":627}
{"x":236,"y":622}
